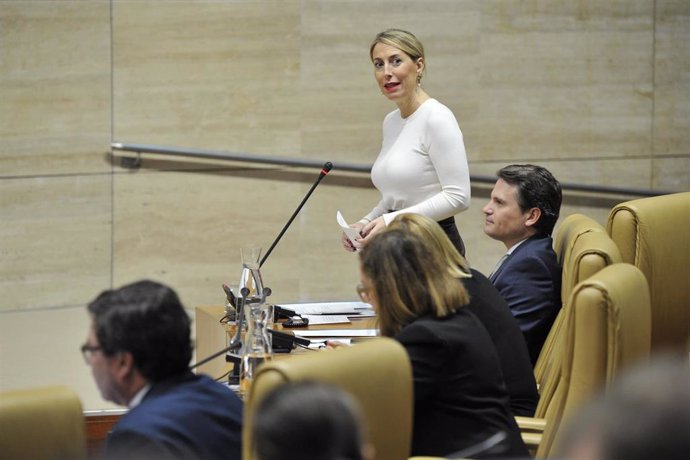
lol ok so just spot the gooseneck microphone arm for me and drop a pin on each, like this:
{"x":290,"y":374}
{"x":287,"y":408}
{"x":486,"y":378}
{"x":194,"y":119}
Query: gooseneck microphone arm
{"x":290,"y":338}
{"x":225,"y":350}
{"x":326,"y":169}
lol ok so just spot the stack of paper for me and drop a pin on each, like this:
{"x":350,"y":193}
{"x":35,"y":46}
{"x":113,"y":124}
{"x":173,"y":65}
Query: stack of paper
{"x":350,"y":309}
{"x":320,"y":313}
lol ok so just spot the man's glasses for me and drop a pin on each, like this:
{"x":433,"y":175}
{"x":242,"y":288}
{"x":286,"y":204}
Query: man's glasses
{"x":87,"y":351}
{"x":363,"y":293}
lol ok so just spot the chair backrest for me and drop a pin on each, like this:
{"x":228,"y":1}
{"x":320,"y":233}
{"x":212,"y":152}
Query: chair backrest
{"x":377,"y":373}
{"x":654,"y":235}
{"x":42,"y":423}
{"x":607,"y":329}
{"x":583,"y":248}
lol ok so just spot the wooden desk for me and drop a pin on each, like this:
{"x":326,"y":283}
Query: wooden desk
{"x":98,"y":425}
{"x":212,"y":336}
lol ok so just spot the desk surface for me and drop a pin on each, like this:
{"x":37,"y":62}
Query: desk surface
{"x":212,"y":336}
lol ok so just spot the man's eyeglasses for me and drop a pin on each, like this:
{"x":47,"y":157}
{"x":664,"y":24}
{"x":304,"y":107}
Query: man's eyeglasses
{"x":363,"y":293}
{"x":87,"y":351}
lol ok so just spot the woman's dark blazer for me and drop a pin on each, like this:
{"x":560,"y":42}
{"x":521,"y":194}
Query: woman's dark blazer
{"x":460,"y":399}
{"x":493,"y":311}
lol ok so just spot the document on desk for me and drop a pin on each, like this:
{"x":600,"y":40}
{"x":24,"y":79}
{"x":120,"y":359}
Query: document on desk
{"x":327,"y":319}
{"x":328,"y":308}
{"x":338,"y":333}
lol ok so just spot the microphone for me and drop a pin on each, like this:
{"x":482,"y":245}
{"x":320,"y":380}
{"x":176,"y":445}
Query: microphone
{"x":326,"y":169}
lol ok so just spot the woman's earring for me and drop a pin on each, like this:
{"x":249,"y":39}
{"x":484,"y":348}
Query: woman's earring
{"x":419,"y":79}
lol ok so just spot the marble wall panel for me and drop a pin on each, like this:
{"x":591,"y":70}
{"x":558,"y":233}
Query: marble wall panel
{"x":186,"y":229}
{"x":54,"y":87}
{"x":672,"y":78}
{"x":220,"y":75}
{"x":41,"y":347}
{"x":671,"y":174}
{"x":54,"y":240}
{"x":564,"y":80}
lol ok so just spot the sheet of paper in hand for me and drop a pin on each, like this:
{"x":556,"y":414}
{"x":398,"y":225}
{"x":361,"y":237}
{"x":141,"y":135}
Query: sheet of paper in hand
{"x":351,"y":233}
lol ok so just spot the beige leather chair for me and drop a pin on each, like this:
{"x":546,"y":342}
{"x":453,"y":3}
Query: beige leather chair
{"x":42,"y":423}
{"x":565,"y":239}
{"x":654,"y":235}
{"x":377,"y":373}
{"x":606,"y":329}
{"x":583,"y":248}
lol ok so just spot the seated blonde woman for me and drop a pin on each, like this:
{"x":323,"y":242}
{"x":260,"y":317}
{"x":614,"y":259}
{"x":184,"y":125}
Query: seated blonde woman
{"x":491,"y":309}
{"x":460,"y":399}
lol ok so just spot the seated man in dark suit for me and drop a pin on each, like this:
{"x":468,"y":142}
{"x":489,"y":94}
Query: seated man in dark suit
{"x":522,"y":212}
{"x":139,"y":350}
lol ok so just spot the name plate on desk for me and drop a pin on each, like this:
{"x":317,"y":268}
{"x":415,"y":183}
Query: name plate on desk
{"x":339,"y":333}
{"x":329,"y":308}
{"x":315,"y":320}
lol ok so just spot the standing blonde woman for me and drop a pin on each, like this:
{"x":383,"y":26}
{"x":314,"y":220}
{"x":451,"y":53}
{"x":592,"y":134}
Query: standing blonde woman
{"x":460,"y":399}
{"x":422,"y":167}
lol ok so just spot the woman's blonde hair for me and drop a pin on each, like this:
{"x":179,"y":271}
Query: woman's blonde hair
{"x":409,"y":279}
{"x":429,"y":229}
{"x":403,"y":40}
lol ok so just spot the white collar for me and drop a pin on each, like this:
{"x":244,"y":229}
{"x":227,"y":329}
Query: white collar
{"x":136,"y":400}
{"x":515,"y":246}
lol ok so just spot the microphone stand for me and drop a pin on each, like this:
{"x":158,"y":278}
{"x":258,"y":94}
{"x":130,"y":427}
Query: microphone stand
{"x":236,"y":342}
{"x":326,"y":169}
{"x":233,"y":357}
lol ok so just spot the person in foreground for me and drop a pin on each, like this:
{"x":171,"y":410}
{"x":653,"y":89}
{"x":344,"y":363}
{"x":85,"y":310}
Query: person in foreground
{"x":523,"y":210}
{"x":490,"y":308}
{"x":460,"y":399}
{"x":309,"y":421}
{"x":422,"y":166}
{"x":644,"y":415}
{"x":139,"y":348}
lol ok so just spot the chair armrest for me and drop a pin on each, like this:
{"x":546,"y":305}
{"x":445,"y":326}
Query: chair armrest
{"x":531,"y":440}
{"x":531,"y":430}
{"x":531,"y":424}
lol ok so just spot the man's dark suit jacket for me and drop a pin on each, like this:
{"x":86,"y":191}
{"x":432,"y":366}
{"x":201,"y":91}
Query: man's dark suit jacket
{"x":189,"y":417}
{"x":530,"y":282}
{"x":488,"y":305}
{"x":460,"y":399}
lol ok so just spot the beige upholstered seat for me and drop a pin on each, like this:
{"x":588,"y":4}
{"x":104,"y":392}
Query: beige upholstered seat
{"x":42,"y":423}
{"x":606,"y":329}
{"x":583,"y":248}
{"x":377,"y":373}
{"x":654,"y":235}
